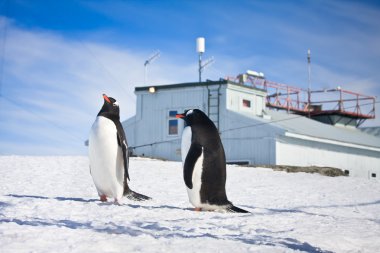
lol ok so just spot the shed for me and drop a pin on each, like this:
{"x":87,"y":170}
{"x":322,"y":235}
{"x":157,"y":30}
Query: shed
{"x":250,"y":132}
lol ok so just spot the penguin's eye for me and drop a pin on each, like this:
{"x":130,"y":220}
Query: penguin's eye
{"x":189,"y":112}
{"x":116,"y":104}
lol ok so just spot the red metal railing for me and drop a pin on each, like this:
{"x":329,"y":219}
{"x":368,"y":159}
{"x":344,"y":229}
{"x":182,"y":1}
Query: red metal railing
{"x":313,"y":102}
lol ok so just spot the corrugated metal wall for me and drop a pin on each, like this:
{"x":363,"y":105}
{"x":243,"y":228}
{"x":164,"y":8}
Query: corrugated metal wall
{"x":254,"y":144}
{"x":360,"y":163}
{"x":151,"y":123}
{"x":247,"y":136}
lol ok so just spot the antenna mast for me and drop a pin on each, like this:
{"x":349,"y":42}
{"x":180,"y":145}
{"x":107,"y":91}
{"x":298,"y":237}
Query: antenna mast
{"x":309,"y":68}
{"x":151,"y":58}
{"x":200,"y":50}
{"x":309,"y":80}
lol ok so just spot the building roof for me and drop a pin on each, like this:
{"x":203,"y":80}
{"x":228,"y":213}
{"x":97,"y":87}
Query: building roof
{"x":193,"y":84}
{"x":371,"y":130}
{"x":304,"y":126}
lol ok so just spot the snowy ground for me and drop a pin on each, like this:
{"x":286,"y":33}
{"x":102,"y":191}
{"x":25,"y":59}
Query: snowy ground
{"x":49,"y":204}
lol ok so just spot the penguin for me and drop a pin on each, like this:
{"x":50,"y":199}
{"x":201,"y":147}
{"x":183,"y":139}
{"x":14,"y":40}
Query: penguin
{"x":109,"y":156}
{"x":204,"y":164}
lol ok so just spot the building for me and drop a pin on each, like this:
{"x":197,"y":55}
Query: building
{"x":251,"y":133}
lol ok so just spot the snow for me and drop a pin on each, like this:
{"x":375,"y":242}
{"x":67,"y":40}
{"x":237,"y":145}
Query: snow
{"x":49,"y":204}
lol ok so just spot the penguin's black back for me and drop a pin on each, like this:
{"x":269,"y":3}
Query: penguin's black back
{"x":205,"y":134}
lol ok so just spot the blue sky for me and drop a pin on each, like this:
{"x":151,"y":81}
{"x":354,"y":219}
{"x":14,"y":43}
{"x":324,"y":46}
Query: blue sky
{"x":58,"y":57}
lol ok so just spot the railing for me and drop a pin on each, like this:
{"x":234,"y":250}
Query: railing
{"x":313,"y":102}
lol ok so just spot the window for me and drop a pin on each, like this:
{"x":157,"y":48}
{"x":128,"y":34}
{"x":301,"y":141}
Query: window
{"x":173,"y":123}
{"x":246,"y":103}
{"x":373,"y":174}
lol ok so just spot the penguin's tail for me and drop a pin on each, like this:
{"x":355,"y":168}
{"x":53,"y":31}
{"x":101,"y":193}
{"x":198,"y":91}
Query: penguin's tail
{"x":235,"y":209}
{"x":136,"y":196}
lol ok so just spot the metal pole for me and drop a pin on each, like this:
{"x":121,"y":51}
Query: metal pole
{"x":309,"y":68}
{"x":150,"y":59}
{"x":309,"y":81}
{"x":288,"y":99}
{"x":200,"y":67}
{"x":145,"y":69}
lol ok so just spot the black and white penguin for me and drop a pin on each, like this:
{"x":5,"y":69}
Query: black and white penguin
{"x":204,"y":164}
{"x":109,"y":156}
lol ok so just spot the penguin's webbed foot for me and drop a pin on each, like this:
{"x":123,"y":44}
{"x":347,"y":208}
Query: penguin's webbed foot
{"x":136,"y":196}
{"x":103,"y":198}
{"x":198,"y":209}
{"x":235,"y":209}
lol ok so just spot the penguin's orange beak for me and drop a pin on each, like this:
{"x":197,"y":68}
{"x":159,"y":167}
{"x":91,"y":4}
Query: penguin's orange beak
{"x":106,"y":98}
{"x":180,"y":116}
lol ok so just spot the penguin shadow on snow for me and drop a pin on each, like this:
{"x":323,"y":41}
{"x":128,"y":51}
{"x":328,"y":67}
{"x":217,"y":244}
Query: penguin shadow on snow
{"x":298,"y":209}
{"x":301,"y":210}
{"x":54,"y":198}
{"x":82,"y":200}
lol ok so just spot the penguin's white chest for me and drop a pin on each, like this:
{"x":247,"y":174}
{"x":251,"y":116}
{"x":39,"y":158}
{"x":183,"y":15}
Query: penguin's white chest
{"x":185,"y":143}
{"x":194,"y":193}
{"x":106,"y":158}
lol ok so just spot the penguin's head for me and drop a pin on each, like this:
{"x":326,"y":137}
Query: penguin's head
{"x":193,"y":117}
{"x":110,"y":107}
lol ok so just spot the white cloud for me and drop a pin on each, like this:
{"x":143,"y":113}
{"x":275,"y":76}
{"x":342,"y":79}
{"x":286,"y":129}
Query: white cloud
{"x":55,"y":85}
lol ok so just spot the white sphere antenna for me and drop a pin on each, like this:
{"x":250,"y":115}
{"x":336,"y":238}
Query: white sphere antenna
{"x":201,"y":48}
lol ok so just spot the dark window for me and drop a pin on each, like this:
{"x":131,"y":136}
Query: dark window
{"x":172,"y":114}
{"x":373,"y":174}
{"x":246,"y":103}
{"x":173,"y":123}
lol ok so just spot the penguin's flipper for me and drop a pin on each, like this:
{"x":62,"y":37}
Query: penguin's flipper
{"x":136,"y":196}
{"x":235,"y":209}
{"x":122,"y":141}
{"x":194,"y":153}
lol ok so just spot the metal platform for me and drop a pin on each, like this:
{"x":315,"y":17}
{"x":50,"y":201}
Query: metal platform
{"x":314,"y":103}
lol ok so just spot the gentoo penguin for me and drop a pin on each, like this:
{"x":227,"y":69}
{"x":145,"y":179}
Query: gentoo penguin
{"x":109,"y":156}
{"x":204,"y":163}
